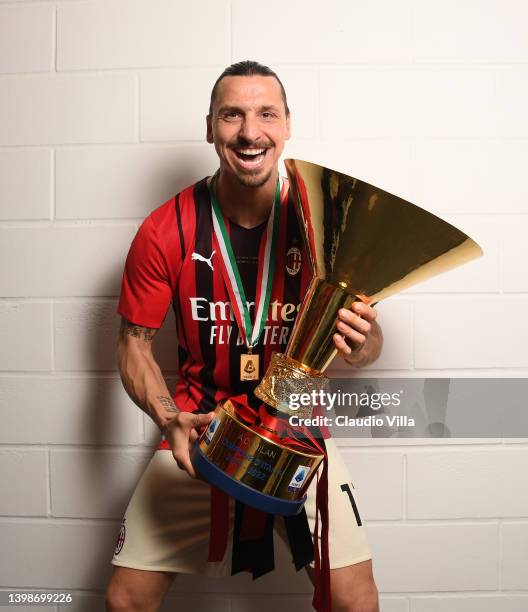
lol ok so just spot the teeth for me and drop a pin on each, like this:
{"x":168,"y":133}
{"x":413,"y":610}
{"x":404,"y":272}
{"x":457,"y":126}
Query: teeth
{"x":251,"y":151}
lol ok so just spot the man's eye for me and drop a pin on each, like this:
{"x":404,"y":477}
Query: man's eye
{"x":231,"y":115}
{"x":267,"y":115}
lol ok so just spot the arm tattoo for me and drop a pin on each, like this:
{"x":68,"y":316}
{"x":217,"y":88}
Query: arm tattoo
{"x":137,"y":331}
{"x":167,"y":402}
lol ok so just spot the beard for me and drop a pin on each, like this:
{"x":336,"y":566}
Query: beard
{"x":253,"y":180}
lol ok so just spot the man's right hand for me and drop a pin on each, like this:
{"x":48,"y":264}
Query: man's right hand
{"x":181,"y":433}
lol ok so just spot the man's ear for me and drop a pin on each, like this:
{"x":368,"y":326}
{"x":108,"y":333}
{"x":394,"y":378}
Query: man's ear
{"x":209,"y":129}
{"x":288,"y":131}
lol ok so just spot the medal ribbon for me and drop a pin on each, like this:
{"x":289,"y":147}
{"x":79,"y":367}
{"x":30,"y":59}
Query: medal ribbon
{"x":250,"y":332}
{"x":322,"y":595}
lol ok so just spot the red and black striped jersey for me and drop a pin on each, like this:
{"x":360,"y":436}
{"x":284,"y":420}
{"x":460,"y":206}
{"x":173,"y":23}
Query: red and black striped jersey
{"x":172,"y":261}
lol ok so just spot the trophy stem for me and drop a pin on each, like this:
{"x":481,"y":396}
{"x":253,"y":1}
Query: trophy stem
{"x":311,"y":342}
{"x":309,"y":352}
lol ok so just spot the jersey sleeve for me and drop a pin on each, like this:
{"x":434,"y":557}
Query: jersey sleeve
{"x":146,"y":292}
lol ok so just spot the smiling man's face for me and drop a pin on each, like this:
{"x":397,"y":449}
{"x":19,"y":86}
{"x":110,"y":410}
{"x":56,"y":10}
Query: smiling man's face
{"x":248,"y":127}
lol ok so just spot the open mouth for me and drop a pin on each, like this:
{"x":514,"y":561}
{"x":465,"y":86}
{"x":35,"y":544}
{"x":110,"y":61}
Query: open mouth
{"x":250,"y":157}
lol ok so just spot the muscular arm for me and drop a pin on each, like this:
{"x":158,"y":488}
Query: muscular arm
{"x":141,"y":375}
{"x":144,"y":383}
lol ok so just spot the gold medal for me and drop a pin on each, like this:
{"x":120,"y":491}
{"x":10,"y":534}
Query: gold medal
{"x":249,"y":366}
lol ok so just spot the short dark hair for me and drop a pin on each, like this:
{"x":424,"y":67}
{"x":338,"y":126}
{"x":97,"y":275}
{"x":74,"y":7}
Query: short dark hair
{"x":247,"y":68}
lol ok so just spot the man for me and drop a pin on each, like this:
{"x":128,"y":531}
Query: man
{"x":175,"y":258}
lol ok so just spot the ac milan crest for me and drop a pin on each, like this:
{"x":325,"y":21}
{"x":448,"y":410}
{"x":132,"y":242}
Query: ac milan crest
{"x":120,"y":538}
{"x":293,"y":261}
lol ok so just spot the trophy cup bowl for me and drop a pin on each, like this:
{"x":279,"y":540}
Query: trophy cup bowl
{"x":364,"y":244}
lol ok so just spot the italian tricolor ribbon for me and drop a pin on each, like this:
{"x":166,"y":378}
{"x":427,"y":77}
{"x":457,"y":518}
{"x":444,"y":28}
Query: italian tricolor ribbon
{"x":250,"y":331}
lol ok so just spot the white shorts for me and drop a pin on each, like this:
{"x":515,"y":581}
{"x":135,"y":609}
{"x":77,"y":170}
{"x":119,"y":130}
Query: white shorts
{"x":166,"y":524}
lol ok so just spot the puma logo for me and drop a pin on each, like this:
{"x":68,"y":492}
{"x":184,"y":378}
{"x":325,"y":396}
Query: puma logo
{"x":207,"y":260}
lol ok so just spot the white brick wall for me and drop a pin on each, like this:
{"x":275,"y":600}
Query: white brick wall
{"x":102,"y":107}
{"x":39,"y":249}
{"x":23,"y":199}
{"x":26,"y":39}
{"x":62,"y":108}
{"x":153,"y":174}
{"x":433,"y":556}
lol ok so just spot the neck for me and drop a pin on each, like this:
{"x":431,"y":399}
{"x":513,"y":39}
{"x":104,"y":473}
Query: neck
{"x":246,"y":206}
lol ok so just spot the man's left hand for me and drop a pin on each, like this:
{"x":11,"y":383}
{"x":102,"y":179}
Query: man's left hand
{"x":354,"y":329}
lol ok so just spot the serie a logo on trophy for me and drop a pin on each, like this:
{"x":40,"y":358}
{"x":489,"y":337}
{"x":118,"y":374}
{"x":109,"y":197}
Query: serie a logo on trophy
{"x":364,"y":244}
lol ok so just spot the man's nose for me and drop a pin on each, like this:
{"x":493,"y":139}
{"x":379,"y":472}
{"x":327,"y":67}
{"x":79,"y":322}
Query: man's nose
{"x":249,"y":128}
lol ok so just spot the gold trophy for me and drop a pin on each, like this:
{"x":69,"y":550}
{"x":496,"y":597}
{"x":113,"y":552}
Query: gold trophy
{"x":364,"y":244}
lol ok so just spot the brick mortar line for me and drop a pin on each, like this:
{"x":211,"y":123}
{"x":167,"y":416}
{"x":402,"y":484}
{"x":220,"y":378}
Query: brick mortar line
{"x":167,"y":144}
{"x":319,"y":122}
{"x":491,"y":593}
{"x":427,"y":522}
{"x":53,"y":186}
{"x":52,"y":520}
{"x":68,"y":223}
{"x":402,"y":595}
{"x":345,"y":449}
{"x":298,"y":139}
{"x":55,"y":221}
{"x":230,"y":30}
{"x":61,"y":299}
{"x":52,"y":336}
{"x":488,"y":593}
{"x":445,"y":522}
{"x":489,"y":446}
{"x":360,"y":65}
{"x":404,"y":488}
{"x":55,"y":41}
{"x":412,"y":306}
{"x":137,"y":113}
{"x":48,"y":483}
{"x":500,"y":560}
{"x":315,"y":141}
{"x":70,"y":374}
{"x":142,"y":448}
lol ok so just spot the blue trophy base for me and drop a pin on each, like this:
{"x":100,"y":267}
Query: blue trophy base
{"x":241,"y":491}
